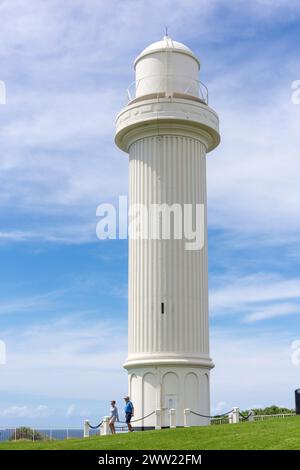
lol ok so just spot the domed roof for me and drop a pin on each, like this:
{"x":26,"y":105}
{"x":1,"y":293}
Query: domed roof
{"x":164,"y":45}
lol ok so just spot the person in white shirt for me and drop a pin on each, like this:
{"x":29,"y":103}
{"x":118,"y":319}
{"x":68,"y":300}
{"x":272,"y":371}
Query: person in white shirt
{"x":114,"y":416}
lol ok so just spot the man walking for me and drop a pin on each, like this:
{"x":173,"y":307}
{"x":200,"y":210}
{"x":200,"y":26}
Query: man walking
{"x":129,"y":412}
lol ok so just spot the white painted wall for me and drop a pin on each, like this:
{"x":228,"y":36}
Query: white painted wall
{"x":170,"y":387}
{"x":167,"y":66}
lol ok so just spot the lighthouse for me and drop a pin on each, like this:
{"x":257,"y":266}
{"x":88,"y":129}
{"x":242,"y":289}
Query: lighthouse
{"x":167,"y":128}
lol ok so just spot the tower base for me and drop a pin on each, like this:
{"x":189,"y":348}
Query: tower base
{"x":178,"y":387}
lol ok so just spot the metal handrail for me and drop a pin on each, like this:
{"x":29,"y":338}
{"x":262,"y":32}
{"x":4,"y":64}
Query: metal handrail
{"x":278,"y":415}
{"x":201,"y":87}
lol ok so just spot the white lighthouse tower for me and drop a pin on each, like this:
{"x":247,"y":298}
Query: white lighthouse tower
{"x":167,"y":128}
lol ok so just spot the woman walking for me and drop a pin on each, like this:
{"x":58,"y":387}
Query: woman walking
{"x":114,"y":416}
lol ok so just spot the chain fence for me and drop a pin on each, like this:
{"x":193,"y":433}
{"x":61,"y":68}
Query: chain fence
{"x":38,"y":433}
{"x":95,"y":427}
{"x":212,"y":417}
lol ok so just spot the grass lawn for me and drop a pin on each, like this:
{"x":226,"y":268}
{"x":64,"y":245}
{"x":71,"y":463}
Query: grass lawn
{"x":270,"y":434}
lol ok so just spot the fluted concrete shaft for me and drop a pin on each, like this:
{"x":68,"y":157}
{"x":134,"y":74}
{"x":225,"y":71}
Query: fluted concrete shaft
{"x":166,"y":170}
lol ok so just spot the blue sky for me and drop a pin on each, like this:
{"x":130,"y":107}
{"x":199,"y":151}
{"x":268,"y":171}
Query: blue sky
{"x":63,"y":293}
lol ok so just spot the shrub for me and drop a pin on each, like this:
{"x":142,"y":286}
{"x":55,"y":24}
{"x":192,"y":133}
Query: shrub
{"x":28,"y":434}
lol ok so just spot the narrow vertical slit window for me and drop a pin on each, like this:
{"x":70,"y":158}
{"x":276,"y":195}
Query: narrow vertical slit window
{"x":162,"y":308}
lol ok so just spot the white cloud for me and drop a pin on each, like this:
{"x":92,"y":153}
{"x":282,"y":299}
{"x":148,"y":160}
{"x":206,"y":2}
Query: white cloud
{"x":253,"y":177}
{"x":253,"y":368}
{"x":272,"y":311}
{"x":33,"y":303}
{"x":220,"y":407}
{"x":68,"y":120}
{"x":58,"y":154}
{"x":71,"y":358}
{"x":24,"y":411}
{"x":70,"y":410}
{"x":71,"y":233}
{"x":256,"y":297}
{"x":2,"y":352}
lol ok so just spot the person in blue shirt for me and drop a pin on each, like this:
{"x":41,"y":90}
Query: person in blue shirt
{"x":129,"y":412}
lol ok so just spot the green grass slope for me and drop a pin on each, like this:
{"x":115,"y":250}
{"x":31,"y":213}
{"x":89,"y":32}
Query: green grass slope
{"x":270,"y":434}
